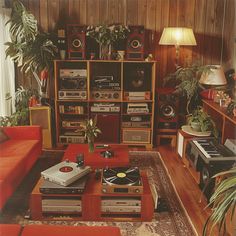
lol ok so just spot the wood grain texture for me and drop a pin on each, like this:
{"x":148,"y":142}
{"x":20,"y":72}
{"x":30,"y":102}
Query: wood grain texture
{"x":205,"y":17}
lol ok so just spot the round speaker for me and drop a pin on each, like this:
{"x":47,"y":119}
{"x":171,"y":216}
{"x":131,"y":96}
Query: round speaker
{"x":76,"y":43}
{"x":167,"y":111}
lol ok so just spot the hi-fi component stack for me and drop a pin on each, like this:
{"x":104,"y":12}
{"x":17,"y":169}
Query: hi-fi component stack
{"x":59,"y":184}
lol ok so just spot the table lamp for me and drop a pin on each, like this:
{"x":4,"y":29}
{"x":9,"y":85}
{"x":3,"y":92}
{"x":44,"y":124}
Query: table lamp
{"x":177,"y":36}
{"x":212,"y":78}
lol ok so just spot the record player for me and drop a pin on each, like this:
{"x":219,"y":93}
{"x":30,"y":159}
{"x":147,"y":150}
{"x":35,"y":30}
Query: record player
{"x":65,"y":173}
{"x":122,"y":180}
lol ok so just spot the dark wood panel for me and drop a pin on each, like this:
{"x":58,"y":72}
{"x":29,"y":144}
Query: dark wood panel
{"x":205,"y":17}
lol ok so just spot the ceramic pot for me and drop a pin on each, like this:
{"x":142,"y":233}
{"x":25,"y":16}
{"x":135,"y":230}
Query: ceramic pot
{"x":196,"y":126}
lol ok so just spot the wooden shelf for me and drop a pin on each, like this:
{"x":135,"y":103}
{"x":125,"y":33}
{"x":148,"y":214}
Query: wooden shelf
{"x":226,"y":124}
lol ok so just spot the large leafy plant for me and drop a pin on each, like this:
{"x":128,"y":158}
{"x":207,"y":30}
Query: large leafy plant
{"x":187,"y":83}
{"x":30,"y":49}
{"x":223,"y":202}
{"x":21,"y":115}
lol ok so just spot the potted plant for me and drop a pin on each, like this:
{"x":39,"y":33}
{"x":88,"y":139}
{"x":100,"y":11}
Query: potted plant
{"x":223,"y":202}
{"x":106,"y":36}
{"x":186,"y":80}
{"x":91,"y":131}
{"x":21,"y":115}
{"x":30,"y":49}
{"x":200,"y":121}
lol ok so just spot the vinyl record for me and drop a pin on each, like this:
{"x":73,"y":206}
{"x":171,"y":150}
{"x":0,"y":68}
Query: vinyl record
{"x":122,"y":176}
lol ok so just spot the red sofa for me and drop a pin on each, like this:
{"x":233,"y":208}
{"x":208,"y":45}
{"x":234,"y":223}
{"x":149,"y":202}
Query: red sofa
{"x":55,"y":230}
{"x":17,"y":155}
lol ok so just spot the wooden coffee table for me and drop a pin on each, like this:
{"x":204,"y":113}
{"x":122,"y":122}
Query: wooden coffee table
{"x":91,"y":203}
{"x":95,"y":159}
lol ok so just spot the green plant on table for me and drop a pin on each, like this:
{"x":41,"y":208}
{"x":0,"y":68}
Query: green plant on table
{"x":91,"y":131}
{"x":223,"y":202}
{"x":201,"y":119}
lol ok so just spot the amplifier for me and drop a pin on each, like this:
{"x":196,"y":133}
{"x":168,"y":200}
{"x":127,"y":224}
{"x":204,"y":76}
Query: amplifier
{"x":105,"y":109}
{"x":142,"y":124}
{"x":72,"y":73}
{"x":72,"y":123}
{"x":61,"y":202}
{"x":71,"y":139}
{"x":121,"y":202}
{"x":63,"y":109}
{"x":136,"y":136}
{"x":111,"y":209}
{"x":106,"y":95}
{"x":72,"y":94}
{"x":137,"y":96}
{"x":56,"y":209}
{"x":137,"y":108}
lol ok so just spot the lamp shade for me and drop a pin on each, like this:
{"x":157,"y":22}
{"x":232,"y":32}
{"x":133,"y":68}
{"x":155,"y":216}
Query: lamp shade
{"x":177,"y":36}
{"x":215,"y":77}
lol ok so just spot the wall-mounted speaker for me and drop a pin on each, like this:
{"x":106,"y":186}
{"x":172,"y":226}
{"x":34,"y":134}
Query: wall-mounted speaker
{"x":167,"y":110}
{"x":135,"y":47}
{"x":41,"y":115}
{"x":76,"y":43}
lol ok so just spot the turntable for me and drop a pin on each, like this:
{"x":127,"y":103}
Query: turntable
{"x":65,"y":173}
{"x":122,"y":180}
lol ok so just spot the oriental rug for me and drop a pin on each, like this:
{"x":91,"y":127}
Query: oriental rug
{"x":170,"y":218}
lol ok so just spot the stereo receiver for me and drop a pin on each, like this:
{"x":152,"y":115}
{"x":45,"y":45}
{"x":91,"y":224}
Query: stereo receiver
{"x":105,"y":107}
{"x":137,"y":95}
{"x":137,"y":108}
{"x":105,"y":95}
{"x":71,"y":139}
{"x":72,"y":94}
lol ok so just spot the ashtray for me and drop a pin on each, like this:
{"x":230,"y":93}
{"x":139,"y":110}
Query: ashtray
{"x":107,"y":154}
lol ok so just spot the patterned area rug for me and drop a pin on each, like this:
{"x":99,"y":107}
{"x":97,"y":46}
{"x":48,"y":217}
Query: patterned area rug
{"x":170,"y":218}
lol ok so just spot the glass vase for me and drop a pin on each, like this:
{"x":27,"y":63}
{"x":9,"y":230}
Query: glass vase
{"x":105,"y":51}
{"x":91,"y":144}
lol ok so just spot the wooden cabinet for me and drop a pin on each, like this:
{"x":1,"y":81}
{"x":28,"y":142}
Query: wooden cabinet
{"x":120,"y":93}
{"x":91,"y":201}
{"x":225,"y":124}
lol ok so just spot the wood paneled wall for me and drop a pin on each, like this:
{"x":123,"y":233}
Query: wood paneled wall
{"x":206,"y":17}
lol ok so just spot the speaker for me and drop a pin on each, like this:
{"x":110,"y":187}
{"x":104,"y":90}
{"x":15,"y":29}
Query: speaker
{"x":109,"y":124}
{"x":41,"y":115}
{"x":76,"y":43}
{"x":136,"y":136}
{"x":135,"y":47}
{"x":167,"y":110}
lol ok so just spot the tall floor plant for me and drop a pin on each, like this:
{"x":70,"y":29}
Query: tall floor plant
{"x":223,"y":202}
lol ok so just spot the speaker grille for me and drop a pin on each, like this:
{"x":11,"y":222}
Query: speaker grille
{"x":136,"y":136}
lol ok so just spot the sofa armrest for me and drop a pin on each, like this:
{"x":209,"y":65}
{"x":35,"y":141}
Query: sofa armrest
{"x":24,"y":132}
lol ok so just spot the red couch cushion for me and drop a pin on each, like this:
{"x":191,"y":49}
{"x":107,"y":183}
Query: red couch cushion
{"x":17,"y":147}
{"x":55,"y":230}
{"x":3,"y":136}
{"x":10,"y":230}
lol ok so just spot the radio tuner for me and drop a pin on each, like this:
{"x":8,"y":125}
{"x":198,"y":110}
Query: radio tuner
{"x":105,"y":95}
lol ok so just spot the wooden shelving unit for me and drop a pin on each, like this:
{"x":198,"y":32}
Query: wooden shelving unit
{"x":129,"y":77}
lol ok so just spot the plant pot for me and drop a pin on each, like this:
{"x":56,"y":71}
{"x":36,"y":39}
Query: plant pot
{"x":196,"y":126}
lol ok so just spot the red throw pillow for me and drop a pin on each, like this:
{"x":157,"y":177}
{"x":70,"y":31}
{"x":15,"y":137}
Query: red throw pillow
{"x":3,"y":136}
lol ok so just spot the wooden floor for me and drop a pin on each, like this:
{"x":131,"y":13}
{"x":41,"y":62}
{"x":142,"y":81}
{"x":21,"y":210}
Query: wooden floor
{"x":187,"y":188}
